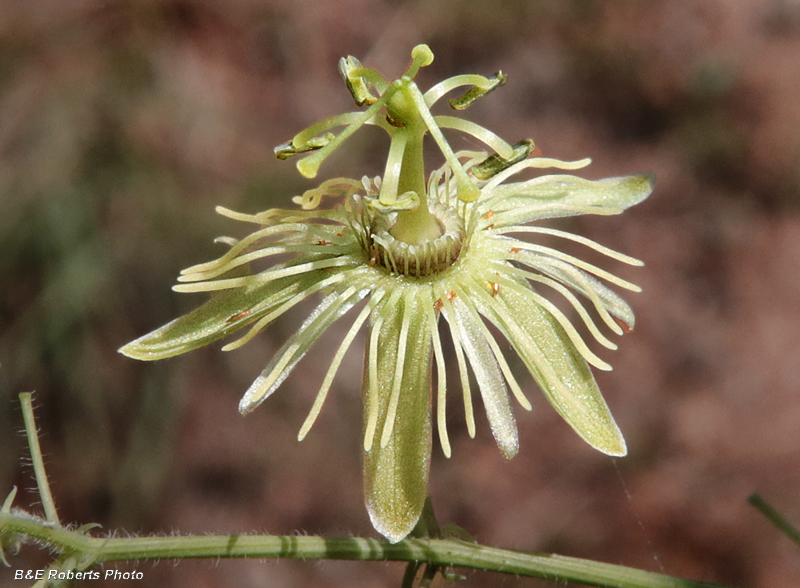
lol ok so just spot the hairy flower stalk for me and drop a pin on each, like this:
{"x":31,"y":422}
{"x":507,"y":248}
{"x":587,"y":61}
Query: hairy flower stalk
{"x":398,"y":252}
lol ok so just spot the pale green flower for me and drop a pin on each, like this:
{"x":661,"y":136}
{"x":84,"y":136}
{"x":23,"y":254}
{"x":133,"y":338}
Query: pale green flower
{"x":400,"y":253}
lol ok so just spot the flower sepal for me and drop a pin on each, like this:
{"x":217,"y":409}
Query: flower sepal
{"x":397,"y":413}
{"x":223,"y":314}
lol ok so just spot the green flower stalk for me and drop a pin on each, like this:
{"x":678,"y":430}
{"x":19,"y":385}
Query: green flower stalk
{"x":397,"y":253}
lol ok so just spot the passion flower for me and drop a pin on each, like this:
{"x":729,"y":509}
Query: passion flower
{"x":402,"y":251}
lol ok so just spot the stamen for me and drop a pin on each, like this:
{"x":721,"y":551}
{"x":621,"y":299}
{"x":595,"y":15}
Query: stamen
{"x":358,"y":78}
{"x":496,"y":163}
{"x":290,"y":149}
{"x":473,"y":158}
{"x":309,"y":166}
{"x":436,"y":92}
{"x":484,"y":135}
{"x":477,"y":92}
{"x":316,"y":129}
{"x":467,"y":190}
{"x":536,"y":163}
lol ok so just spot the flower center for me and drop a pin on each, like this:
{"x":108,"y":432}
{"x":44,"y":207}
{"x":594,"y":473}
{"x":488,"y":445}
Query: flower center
{"x":420,"y":259}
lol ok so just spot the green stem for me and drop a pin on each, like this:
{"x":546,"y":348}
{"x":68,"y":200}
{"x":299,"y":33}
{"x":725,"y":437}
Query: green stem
{"x":48,"y":503}
{"x":427,"y":528}
{"x":438,"y":552}
{"x":774,"y":517}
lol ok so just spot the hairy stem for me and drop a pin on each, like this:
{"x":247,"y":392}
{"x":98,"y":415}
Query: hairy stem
{"x":438,"y":552}
{"x":26,"y":400}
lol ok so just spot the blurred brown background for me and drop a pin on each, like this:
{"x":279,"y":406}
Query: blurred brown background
{"x":122,"y":124}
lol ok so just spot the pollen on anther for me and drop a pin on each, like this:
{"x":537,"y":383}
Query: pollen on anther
{"x":515,"y":250}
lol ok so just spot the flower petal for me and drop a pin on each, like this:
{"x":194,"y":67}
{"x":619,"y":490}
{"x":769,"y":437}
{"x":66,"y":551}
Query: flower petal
{"x":467,"y":324}
{"x":332,"y":307}
{"x":223,"y":314}
{"x":396,"y":473}
{"x":564,"y":195}
{"x":558,"y":368}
